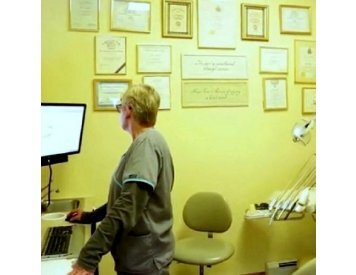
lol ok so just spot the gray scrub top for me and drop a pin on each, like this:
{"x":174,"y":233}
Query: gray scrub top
{"x":137,"y":228}
{"x":150,"y":243}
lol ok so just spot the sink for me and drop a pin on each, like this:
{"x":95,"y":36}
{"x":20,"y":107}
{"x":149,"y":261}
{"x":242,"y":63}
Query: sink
{"x":59,"y":205}
{"x":54,"y":216}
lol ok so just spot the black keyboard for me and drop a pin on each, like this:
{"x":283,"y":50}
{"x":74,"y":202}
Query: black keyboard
{"x":57,"y":241}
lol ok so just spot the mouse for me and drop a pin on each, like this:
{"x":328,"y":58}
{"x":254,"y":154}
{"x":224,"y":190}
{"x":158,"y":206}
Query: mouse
{"x":70,"y":215}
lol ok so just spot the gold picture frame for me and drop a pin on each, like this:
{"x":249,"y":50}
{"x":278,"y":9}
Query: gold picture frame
{"x":216,"y":24}
{"x":254,"y":22}
{"x":273,"y":60}
{"x":275,"y":94}
{"x":162,"y":85}
{"x":131,"y":16}
{"x":214,"y":66}
{"x":305,"y":61}
{"x":107,"y":93}
{"x":294,"y":19}
{"x":212,"y":93}
{"x":309,"y":100}
{"x":177,"y":18}
{"x":110,"y":55}
{"x":154,"y":58}
{"x":84,"y":15}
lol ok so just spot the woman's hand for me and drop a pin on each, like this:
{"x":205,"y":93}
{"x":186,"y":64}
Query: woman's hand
{"x":77,"y":270}
{"x":74,"y":215}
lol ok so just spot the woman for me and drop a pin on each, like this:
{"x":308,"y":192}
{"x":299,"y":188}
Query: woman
{"x":137,"y":220}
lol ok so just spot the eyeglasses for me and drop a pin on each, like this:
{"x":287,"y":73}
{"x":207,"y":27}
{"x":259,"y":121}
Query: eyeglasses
{"x":118,"y":107}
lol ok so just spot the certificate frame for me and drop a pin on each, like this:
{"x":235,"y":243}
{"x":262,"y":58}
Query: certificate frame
{"x":217,"y":25}
{"x":84,"y":15}
{"x":254,"y":22}
{"x":275,"y":94}
{"x":154,"y":58}
{"x":214,"y":66}
{"x":294,"y":19}
{"x":177,"y":18}
{"x":107,"y":93}
{"x":305,"y":61}
{"x":308,"y":100}
{"x":130,"y":16}
{"x":273,"y":60}
{"x":110,"y":54}
{"x":212,"y":93}
{"x":162,"y":85}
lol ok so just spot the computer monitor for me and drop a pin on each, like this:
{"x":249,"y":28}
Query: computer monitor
{"x":61,"y":131}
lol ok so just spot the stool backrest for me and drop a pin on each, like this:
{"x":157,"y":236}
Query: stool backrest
{"x":208,"y":212}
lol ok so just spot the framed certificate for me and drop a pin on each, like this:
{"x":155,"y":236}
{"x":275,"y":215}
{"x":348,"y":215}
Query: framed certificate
{"x":254,"y":22}
{"x":204,"y":66}
{"x":294,"y":19}
{"x":161,"y":83}
{"x":309,"y":100}
{"x":84,"y":15}
{"x":110,"y":54}
{"x":177,"y":18}
{"x":305,"y":61}
{"x":132,"y":16}
{"x":214,"y":93}
{"x":153,"y":58}
{"x":273,"y":60}
{"x":107,"y":93}
{"x":275,"y":94}
{"x":217,"y":25}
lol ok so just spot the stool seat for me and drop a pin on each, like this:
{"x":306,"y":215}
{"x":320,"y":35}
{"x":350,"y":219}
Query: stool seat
{"x":202,"y":251}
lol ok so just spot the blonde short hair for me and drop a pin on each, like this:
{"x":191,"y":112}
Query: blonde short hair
{"x":144,"y":101}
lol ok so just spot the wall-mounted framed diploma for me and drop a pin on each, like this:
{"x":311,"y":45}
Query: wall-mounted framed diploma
{"x":254,"y":22}
{"x":177,"y":18}
{"x":84,"y":15}
{"x":275,"y":94}
{"x":108,"y":92}
{"x":153,"y":58}
{"x":110,"y":54}
{"x":305,"y":61}
{"x":309,"y":100}
{"x":294,"y":19}
{"x":131,"y":16}
{"x":273,"y":60}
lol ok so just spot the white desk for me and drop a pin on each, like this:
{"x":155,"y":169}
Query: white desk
{"x":59,"y":266}
{"x":56,"y":267}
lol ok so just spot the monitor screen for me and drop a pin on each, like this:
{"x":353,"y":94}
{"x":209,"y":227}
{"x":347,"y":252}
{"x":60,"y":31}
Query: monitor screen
{"x":61,"y":131}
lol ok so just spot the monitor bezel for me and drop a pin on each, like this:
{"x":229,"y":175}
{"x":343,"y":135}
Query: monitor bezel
{"x":60,"y":158}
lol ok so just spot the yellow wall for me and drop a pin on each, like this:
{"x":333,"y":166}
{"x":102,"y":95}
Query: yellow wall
{"x":242,"y":152}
